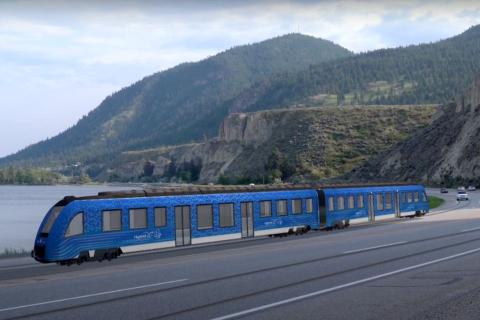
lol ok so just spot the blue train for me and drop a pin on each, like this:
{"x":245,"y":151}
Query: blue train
{"x":78,"y":229}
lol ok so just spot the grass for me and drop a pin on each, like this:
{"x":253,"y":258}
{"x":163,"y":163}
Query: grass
{"x":435,"y":202}
{"x":373,"y":91}
{"x":12,"y":253}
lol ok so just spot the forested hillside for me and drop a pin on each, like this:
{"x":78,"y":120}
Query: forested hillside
{"x":427,"y":73}
{"x":181,"y":104}
{"x":187,"y":103}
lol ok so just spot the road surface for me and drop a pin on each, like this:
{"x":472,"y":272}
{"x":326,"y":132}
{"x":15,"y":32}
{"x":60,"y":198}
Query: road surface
{"x":422,"y":268}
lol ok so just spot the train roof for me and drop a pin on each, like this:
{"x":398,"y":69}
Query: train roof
{"x":204,"y":189}
{"x":375,"y":188}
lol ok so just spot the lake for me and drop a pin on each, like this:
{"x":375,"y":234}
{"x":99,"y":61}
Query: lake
{"x":22,"y":209}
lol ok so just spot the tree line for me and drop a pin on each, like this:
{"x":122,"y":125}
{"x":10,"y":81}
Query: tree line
{"x":12,"y":175}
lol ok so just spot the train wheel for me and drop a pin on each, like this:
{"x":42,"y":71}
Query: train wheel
{"x":67,"y":263}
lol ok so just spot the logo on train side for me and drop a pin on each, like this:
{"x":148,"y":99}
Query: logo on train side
{"x":274,"y":222}
{"x":147,"y":235}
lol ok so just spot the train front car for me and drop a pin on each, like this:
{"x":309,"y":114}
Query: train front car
{"x":102,"y":227}
{"x":48,"y":234}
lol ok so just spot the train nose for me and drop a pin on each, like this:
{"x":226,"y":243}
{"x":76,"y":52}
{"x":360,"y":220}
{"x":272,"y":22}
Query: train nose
{"x":38,"y":252}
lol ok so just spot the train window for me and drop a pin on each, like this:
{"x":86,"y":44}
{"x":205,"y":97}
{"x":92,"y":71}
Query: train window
{"x":204,"y":216}
{"x":309,"y":205}
{"x":112,"y":220}
{"x":76,"y":226}
{"x":226,"y":215}
{"x":380,"y":201}
{"x":282,"y":209}
{"x":297,"y":206}
{"x":340,"y":203}
{"x":351,"y":202}
{"x":424,"y":197}
{"x":415,"y":197}
{"x":360,"y":201}
{"x":409,"y":197}
{"x":160,"y":217}
{"x":388,"y":200}
{"x":404,"y":197}
{"x":265,"y":208}
{"x":330,"y":204}
{"x":138,"y":218}
{"x":51,"y":220}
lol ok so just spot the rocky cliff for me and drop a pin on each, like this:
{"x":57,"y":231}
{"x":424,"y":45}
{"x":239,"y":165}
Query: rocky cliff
{"x":446,"y":152}
{"x":306,"y":143}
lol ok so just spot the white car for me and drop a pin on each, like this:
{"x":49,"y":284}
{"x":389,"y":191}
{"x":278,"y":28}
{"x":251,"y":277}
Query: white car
{"x":462,"y":195}
{"x":471,"y":188}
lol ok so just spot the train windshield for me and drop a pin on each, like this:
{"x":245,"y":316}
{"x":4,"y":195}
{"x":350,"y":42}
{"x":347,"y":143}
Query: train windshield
{"x":51,"y":219}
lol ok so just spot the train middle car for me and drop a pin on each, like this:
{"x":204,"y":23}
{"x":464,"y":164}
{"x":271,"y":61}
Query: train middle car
{"x":103,"y":227}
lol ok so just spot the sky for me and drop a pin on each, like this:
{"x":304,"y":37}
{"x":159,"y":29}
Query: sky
{"x":60,"y":59}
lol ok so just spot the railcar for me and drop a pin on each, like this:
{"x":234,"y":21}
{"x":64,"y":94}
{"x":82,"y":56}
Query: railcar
{"x":342,"y":206}
{"x":78,"y":229}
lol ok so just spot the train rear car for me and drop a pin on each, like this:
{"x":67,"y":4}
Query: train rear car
{"x":342,"y":206}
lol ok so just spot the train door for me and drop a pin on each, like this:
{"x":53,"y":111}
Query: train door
{"x":247,"y":219}
{"x":322,"y":209}
{"x":397,"y":204}
{"x":182,"y":226}
{"x":371,"y":208}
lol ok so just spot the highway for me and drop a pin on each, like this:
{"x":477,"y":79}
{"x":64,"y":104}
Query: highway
{"x":422,"y":268}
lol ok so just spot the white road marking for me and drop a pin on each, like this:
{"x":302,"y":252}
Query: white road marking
{"x":91,"y":295}
{"x":471,"y":229}
{"x":376,"y":247}
{"x":342,"y":286}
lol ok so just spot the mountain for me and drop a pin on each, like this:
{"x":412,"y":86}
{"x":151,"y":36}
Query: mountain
{"x":300,"y":143}
{"x":446,"y":152}
{"x":178,"y":105}
{"x":417,"y":74}
{"x":187,"y":103}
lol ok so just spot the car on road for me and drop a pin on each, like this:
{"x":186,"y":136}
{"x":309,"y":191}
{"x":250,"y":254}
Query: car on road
{"x":443,"y":190}
{"x":461,"y":188}
{"x":471,"y":188}
{"x":462,"y":195}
